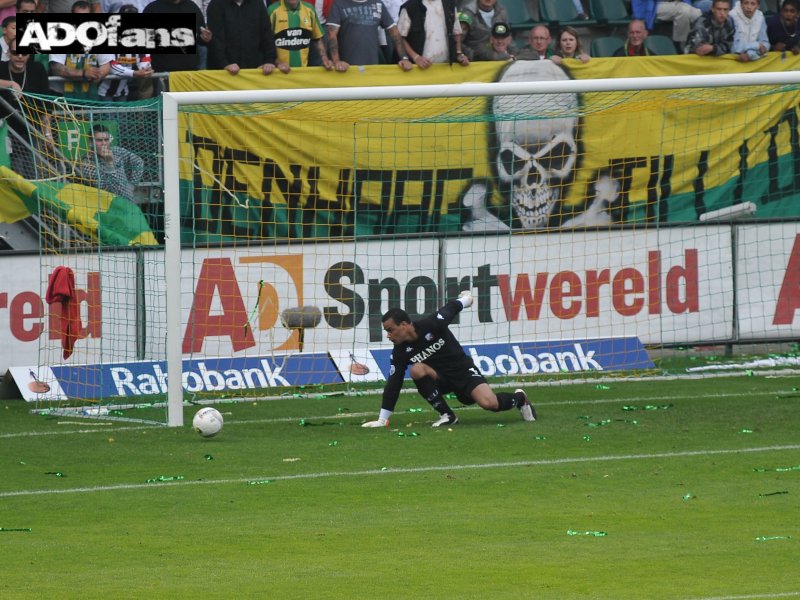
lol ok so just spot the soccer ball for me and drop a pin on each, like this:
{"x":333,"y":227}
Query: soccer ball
{"x":207,"y":422}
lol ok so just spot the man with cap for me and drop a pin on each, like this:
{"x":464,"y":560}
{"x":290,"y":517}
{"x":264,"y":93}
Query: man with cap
{"x":484,"y":15}
{"x":499,"y":46}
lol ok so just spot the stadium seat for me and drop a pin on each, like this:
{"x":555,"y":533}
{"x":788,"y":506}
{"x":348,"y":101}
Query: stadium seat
{"x":520,"y":16}
{"x":558,"y":13}
{"x":661,"y":45}
{"x":610,"y":12}
{"x":606,"y":46}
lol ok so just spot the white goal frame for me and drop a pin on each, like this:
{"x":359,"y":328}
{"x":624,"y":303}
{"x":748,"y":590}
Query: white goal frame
{"x":172,"y":101}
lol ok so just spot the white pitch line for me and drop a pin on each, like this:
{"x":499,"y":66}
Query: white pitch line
{"x":398,"y":470}
{"x":360,"y":415}
{"x":750,"y":596}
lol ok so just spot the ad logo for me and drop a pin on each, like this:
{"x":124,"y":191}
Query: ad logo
{"x":168,"y":33}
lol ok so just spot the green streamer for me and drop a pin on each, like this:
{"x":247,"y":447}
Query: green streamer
{"x":589,"y":533}
{"x":255,"y":308}
{"x":259,"y":481}
{"x":767,"y":538}
{"x":161,"y":478}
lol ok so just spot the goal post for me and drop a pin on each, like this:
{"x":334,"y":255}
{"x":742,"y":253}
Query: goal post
{"x":560,"y":242}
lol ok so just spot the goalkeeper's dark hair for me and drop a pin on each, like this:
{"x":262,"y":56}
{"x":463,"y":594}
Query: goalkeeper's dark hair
{"x":398,"y":315}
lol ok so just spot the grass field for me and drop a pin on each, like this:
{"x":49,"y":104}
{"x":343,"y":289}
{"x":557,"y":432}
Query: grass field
{"x":654,"y":490}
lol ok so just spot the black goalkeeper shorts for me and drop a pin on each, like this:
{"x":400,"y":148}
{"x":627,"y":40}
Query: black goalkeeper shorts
{"x":461,"y":386}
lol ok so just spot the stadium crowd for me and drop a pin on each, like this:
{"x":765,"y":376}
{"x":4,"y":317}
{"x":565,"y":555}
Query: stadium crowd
{"x":281,"y":35}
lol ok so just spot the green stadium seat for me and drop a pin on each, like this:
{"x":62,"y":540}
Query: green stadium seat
{"x":606,"y":46}
{"x":661,"y":45}
{"x":520,"y":16}
{"x":558,"y":13}
{"x":610,"y":12}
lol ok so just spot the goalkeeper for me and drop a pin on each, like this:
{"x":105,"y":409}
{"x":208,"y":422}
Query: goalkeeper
{"x":439,"y":366}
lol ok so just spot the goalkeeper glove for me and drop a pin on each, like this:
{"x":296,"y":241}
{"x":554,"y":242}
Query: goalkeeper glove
{"x":466,"y":298}
{"x":378,"y":423}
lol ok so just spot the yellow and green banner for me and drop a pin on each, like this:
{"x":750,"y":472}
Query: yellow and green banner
{"x":97,"y":214}
{"x":328,"y":169}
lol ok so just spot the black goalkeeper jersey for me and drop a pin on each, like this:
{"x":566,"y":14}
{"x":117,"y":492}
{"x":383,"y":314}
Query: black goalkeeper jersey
{"x":436,"y":346}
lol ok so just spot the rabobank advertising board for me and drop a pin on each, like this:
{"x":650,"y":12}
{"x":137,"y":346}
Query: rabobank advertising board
{"x":134,"y":381}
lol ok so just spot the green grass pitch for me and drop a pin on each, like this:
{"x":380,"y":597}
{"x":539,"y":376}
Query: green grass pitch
{"x":680,"y":489}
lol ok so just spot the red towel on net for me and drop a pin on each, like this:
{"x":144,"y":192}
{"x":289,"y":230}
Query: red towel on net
{"x":61,"y":290}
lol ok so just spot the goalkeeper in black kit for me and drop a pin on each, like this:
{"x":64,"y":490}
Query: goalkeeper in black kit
{"x":438,"y":366}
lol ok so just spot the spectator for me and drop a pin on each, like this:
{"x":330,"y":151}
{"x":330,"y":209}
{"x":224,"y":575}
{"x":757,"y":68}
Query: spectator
{"x":178,"y":62}
{"x":296,"y":28}
{"x":682,"y":14}
{"x":243,"y":37}
{"x":110,"y":168}
{"x":81,"y":7}
{"x":9,"y":33}
{"x":22,"y":74}
{"x":539,"y":47}
{"x":353,"y":37}
{"x":569,"y":45}
{"x":66,"y":6}
{"x":581,"y":12}
{"x":712,"y":34}
{"x":431,"y":32}
{"x":635,"y":43}
{"x":81,"y":74}
{"x":465,"y":21}
{"x":134,"y":70}
{"x":782,"y":28}
{"x":750,"y":40}
{"x":483,"y":15}
{"x":27,"y":6}
{"x":390,"y":53}
{"x":7,"y":9}
{"x":115,"y":6}
{"x":500,"y":45}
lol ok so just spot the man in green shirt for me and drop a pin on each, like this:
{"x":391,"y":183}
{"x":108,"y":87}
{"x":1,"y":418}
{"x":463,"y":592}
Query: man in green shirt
{"x":296,"y":26}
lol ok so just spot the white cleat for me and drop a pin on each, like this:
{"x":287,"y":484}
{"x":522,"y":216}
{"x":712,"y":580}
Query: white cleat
{"x":378,"y":423}
{"x":445,"y":420}
{"x":526,"y":409}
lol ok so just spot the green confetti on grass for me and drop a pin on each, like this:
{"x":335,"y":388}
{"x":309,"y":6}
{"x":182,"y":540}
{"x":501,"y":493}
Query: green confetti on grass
{"x":599,"y":423}
{"x":767,"y":538}
{"x":56,"y":473}
{"x":540,"y":437}
{"x":777,"y":469}
{"x":589,"y":533}
{"x":600,"y":386}
{"x":161,"y":478}
{"x":334,"y":443}
{"x":208,"y":457}
{"x":689,"y":496}
{"x":342,"y":409}
{"x":414,"y":410}
{"x":746,"y":431}
{"x":259,"y":482}
{"x":499,"y":425}
{"x":587,"y":438}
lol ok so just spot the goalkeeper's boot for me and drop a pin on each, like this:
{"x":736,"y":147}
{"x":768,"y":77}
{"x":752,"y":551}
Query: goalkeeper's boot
{"x":378,"y":423}
{"x":526,"y":409}
{"x":445,"y":420}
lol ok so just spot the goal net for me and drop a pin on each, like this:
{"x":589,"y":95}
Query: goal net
{"x":606,"y":228}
